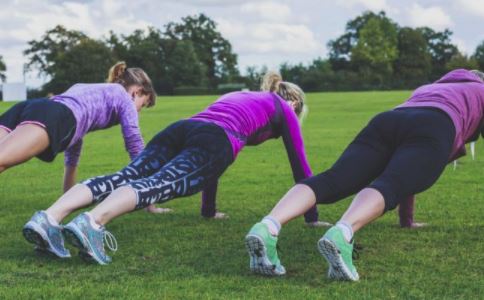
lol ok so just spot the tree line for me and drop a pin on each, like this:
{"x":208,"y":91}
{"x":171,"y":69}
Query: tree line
{"x":192,"y":57}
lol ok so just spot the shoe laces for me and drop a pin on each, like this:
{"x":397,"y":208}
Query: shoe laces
{"x":110,"y":241}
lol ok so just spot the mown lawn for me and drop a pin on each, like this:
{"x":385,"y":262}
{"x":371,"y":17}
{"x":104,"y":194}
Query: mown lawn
{"x":182,"y":255}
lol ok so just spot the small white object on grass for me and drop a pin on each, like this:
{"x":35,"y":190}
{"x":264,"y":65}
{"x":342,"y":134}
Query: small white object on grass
{"x":473,"y":150}
{"x":319,"y":224}
{"x":157,"y":210}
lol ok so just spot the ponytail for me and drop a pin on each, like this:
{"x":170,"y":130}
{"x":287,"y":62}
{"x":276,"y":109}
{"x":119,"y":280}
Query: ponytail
{"x":120,"y":73}
{"x":116,"y":72}
{"x":272,"y":82}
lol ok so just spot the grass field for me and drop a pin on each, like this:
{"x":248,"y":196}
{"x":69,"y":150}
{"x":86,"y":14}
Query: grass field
{"x":182,"y":255}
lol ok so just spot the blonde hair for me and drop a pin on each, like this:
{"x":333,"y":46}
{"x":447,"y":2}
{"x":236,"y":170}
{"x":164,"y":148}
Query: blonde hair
{"x":478,"y":73}
{"x":272,"y":82}
{"x":120,"y":73}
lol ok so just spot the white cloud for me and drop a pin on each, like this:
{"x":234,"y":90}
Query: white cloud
{"x":266,"y":38}
{"x":474,"y":7}
{"x":373,"y":5}
{"x":434,"y":17}
{"x":267,"y":10}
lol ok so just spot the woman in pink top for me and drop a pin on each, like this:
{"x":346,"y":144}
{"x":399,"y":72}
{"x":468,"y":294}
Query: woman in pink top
{"x":44,"y":127}
{"x":185,"y":158}
{"x":400,"y":153}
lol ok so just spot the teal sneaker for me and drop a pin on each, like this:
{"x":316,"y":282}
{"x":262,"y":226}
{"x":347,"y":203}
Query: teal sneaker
{"x":338,"y":252}
{"x":261,"y":246}
{"x":90,"y":241}
{"x":46,"y":236}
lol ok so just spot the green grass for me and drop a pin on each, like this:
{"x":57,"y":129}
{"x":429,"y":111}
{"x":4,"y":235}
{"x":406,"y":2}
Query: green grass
{"x":182,"y":255}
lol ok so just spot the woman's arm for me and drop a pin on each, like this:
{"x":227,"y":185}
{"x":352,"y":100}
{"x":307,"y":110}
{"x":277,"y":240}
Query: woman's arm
{"x":71,"y":160}
{"x":293,"y":141}
{"x":128,"y":119}
{"x":70,"y":173}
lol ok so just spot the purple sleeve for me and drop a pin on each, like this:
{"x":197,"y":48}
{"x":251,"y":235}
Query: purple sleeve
{"x":130,"y":128}
{"x":293,"y":141}
{"x":405,"y":211}
{"x":72,"y":154}
{"x":209,"y":195}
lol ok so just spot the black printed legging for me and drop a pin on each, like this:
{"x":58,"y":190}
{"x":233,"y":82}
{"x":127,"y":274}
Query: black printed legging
{"x":400,"y":153}
{"x":179,"y":161}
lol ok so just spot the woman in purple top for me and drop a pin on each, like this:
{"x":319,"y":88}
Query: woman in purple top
{"x":400,"y":153}
{"x":187,"y":157}
{"x":44,"y":127}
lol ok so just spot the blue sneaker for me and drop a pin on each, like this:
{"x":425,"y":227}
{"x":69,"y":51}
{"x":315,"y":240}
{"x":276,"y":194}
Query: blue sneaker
{"x":90,"y":241}
{"x":45,"y":235}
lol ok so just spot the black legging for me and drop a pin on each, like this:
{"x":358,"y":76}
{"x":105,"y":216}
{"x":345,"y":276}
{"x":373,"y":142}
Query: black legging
{"x":179,"y":161}
{"x":400,"y":153}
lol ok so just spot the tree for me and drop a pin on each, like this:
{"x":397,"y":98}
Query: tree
{"x":440,"y":48}
{"x":67,"y":57}
{"x":253,"y":79}
{"x":375,"y":52}
{"x":143,"y":49}
{"x":3,"y":68}
{"x":44,"y":53}
{"x":461,"y":61}
{"x":341,"y":48}
{"x":413,"y":65}
{"x":86,"y":62}
{"x":211,"y":48}
{"x":479,"y":56}
{"x":183,"y":66}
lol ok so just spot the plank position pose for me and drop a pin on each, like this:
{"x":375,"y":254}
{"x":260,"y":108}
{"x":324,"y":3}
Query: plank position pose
{"x":187,"y":157}
{"x":45,"y":127}
{"x":400,"y":153}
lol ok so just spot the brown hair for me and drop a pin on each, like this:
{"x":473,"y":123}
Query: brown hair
{"x":272,"y":82}
{"x":120,"y":73}
{"x":478,"y":73}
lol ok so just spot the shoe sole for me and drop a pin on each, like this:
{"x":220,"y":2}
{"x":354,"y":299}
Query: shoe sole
{"x":259,"y":262}
{"x":35,"y":235}
{"x":338,"y":269}
{"x":74,"y":237}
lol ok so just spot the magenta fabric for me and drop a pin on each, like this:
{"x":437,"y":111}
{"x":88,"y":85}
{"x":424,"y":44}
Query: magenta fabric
{"x":460,"y":94}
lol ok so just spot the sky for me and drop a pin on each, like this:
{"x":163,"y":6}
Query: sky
{"x":262,"y":32}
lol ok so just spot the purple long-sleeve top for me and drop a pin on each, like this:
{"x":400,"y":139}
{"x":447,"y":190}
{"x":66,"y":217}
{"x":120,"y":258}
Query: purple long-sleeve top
{"x":250,"y":118}
{"x":99,"y":106}
{"x":460,"y":94}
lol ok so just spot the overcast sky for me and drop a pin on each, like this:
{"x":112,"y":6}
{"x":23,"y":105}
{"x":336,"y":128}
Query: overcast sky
{"x":261,"y":32}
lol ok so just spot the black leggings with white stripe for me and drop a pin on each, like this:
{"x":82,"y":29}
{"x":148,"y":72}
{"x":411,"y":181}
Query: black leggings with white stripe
{"x":400,"y":153}
{"x":179,"y":161}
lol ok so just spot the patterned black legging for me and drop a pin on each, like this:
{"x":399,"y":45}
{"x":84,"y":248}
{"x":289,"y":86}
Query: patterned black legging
{"x":179,"y":161}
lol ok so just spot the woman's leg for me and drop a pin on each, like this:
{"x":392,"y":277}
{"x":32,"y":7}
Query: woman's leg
{"x":184,"y":175}
{"x":413,"y":168}
{"x":97,"y":189}
{"x":361,"y":162}
{"x":3,"y":133}
{"x":23,"y":143}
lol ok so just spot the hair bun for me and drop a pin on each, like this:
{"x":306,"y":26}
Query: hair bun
{"x":116,"y":72}
{"x":271,"y":81}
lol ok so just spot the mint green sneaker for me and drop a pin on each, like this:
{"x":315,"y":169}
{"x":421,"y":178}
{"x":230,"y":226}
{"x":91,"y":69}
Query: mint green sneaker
{"x":338,"y":252}
{"x":261,"y":246}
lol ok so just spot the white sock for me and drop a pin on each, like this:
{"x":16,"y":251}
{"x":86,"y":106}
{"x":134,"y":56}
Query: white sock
{"x":347,"y":230}
{"x":92,"y":222}
{"x":51,"y":219}
{"x":273,"y":225}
